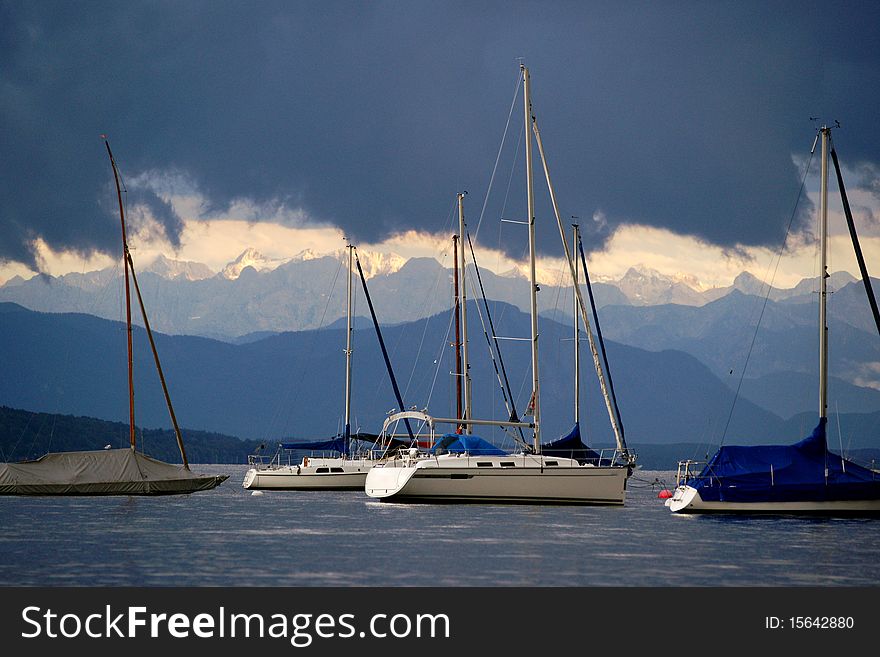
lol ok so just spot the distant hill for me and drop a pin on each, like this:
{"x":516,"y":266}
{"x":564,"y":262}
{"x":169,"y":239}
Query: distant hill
{"x":291,"y":384}
{"x":857,"y":434}
{"x":26,"y":435}
{"x":791,"y":393}
{"x":723,"y":332}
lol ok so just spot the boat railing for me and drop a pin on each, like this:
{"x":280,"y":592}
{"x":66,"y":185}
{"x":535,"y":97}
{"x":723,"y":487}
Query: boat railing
{"x":607,"y":458}
{"x":260,"y":461}
{"x":614,"y":456}
{"x":688,"y":470}
{"x":286,"y":457}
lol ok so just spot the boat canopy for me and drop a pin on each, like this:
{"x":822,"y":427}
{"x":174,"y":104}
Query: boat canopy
{"x":783,"y":473}
{"x":571,"y":446}
{"x":459,"y":443}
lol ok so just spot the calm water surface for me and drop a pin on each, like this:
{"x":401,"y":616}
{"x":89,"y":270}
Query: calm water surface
{"x":230,"y":537}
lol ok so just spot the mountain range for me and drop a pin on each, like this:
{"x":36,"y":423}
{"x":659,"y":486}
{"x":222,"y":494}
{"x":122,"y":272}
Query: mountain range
{"x":680,"y":353}
{"x":263,"y":295}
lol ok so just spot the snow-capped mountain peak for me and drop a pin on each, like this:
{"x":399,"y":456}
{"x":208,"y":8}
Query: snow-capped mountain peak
{"x":644,"y":286}
{"x":250,"y":257}
{"x":378,"y":264}
{"x":179,"y":269}
{"x":307,"y":254}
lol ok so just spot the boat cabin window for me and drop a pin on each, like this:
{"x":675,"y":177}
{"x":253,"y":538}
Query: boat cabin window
{"x":322,"y":470}
{"x":507,"y":464}
{"x":549,"y":463}
{"x":336,"y":470}
{"x":484,"y":464}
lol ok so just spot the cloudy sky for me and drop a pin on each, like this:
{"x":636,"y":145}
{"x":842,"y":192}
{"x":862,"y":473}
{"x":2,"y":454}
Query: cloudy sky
{"x":676,"y":132}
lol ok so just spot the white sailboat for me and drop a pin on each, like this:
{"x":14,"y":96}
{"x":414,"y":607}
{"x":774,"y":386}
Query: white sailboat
{"x":123,"y":471}
{"x":310,"y":473}
{"x":801,"y":478}
{"x":342,"y":471}
{"x":475,"y":473}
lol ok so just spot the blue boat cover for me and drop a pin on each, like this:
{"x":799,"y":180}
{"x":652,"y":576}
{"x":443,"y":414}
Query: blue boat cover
{"x":572,"y":447}
{"x":805,"y":471}
{"x":459,"y":443}
{"x":338,"y":444}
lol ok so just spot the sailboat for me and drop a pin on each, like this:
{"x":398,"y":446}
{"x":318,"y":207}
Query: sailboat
{"x":122,"y":471}
{"x":465,"y":468}
{"x":804,"y":477}
{"x":337,"y":467}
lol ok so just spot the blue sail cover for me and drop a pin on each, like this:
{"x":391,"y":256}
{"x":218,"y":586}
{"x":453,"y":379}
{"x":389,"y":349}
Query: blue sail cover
{"x":338,"y":444}
{"x":572,"y":447}
{"x":805,"y":471}
{"x":459,"y":443}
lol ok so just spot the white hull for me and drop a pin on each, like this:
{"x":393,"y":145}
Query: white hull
{"x":687,"y":500}
{"x":525,"y":479}
{"x":312,"y":474}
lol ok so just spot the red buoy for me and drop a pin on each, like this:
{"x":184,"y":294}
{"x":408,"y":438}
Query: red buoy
{"x":664,"y":494}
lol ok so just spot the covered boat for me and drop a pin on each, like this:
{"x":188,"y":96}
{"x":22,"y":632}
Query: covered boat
{"x":111,"y":471}
{"x":800,"y":478}
{"x":101,"y":472}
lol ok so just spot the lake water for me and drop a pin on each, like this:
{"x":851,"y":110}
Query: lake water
{"x":230,"y":537}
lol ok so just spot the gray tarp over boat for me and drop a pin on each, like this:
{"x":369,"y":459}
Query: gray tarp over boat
{"x":101,"y":472}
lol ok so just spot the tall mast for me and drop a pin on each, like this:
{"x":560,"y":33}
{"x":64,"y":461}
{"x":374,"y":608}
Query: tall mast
{"x":347,"y":432}
{"x":125,"y":261}
{"x":457,"y":345}
{"x":609,"y":403}
{"x":577,"y":334}
{"x":465,"y":364}
{"x":823,"y":275}
{"x":155,"y":351}
{"x":535,"y":402}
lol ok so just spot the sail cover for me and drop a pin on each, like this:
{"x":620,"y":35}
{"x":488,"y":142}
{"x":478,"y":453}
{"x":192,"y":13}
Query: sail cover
{"x":338,"y":444}
{"x":805,"y":471}
{"x":101,"y":472}
{"x":459,"y":443}
{"x":572,"y":447}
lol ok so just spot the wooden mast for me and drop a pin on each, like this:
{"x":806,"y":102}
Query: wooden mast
{"x":125,"y":261}
{"x":129,"y":269}
{"x":177,"y":433}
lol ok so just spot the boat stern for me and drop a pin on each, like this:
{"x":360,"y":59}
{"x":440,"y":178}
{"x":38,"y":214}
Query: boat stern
{"x":385,"y":481}
{"x":250,"y":478}
{"x":685,"y":499}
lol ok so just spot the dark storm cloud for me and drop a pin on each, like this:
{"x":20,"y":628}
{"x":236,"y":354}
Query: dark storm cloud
{"x":372,"y":116}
